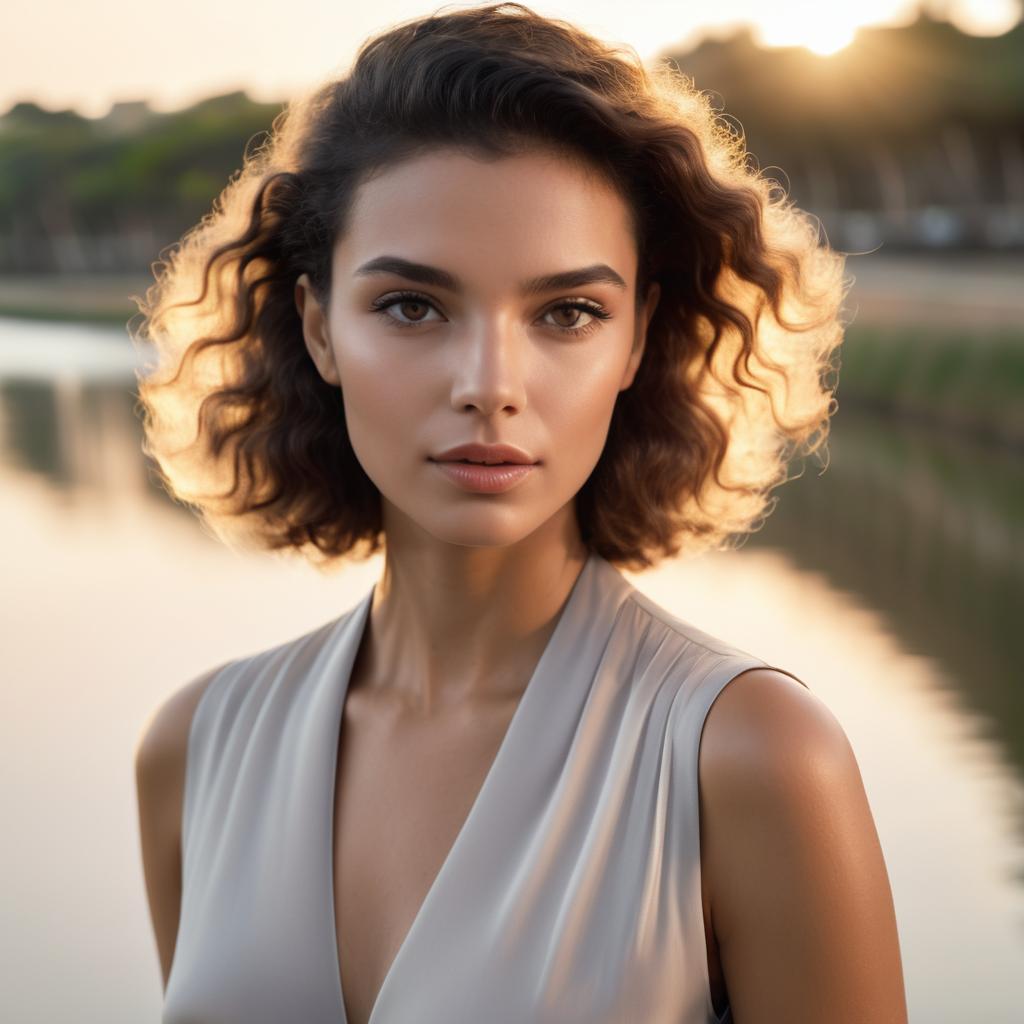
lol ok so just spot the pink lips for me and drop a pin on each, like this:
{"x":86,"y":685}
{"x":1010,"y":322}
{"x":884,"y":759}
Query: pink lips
{"x":486,"y":453}
{"x":510,"y":466}
{"x":485,"y":479}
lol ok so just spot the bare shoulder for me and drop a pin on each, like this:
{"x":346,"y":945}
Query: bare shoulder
{"x":162,"y":742}
{"x":764,"y":715}
{"x":160,"y":755}
{"x":799,"y":892}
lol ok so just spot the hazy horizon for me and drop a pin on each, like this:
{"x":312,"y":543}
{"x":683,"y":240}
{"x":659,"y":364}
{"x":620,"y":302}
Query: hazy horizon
{"x":86,"y":58}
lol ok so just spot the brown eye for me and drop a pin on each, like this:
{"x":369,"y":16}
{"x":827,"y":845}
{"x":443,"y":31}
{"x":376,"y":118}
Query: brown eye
{"x":571,"y":315}
{"x":412,"y":308}
{"x":418,"y":309}
{"x":572,"y":311}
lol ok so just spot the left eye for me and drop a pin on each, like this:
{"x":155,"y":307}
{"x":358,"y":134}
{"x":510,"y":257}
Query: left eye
{"x":574,"y":308}
{"x":595,"y":315}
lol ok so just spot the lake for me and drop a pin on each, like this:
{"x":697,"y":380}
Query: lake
{"x":892,"y":583}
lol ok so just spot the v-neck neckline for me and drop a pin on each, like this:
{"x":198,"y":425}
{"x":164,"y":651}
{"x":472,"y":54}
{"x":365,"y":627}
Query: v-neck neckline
{"x":354,"y":638}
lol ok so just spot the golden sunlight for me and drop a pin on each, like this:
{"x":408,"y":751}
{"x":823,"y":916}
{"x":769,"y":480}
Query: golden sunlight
{"x":985,"y":17}
{"x":826,"y":30}
{"x":822,"y":30}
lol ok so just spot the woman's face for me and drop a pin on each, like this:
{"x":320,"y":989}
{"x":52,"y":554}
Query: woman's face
{"x":437,"y":338}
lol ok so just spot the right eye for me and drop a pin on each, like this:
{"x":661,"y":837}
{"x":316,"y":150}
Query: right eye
{"x":420,"y":303}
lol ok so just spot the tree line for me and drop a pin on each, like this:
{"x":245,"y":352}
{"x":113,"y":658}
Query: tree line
{"x":905,"y":119}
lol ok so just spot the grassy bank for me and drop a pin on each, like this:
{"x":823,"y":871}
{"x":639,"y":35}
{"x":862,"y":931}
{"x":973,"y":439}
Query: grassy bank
{"x":968,"y":380}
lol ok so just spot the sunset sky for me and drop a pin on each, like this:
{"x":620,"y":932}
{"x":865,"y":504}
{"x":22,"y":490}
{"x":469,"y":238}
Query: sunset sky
{"x":87,"y":56}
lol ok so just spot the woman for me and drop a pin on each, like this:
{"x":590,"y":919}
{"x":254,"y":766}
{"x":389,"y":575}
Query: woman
{"x":477,"y":795}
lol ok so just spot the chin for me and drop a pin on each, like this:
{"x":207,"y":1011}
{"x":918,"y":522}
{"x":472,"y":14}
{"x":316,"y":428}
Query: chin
{"x":477,"y":527}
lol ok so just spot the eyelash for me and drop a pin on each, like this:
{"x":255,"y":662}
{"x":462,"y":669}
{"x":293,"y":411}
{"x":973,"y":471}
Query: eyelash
{"x":599,"y":313}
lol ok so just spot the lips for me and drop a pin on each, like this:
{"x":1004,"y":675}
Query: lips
{"x":486,"y":454}
{"x":484,"y":479}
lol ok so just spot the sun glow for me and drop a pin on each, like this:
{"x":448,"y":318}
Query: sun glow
{"x":829,"y":39}
{"x":85,"y":67}
{"x":985,"y":17}
{"x":826,"y":30}
{"x":822,"y":31}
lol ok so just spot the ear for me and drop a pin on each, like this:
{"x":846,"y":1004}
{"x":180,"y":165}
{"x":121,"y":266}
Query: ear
{"x":643,"y":321}
{"x":314,"y":331}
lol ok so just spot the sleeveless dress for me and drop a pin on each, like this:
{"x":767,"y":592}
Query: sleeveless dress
{"x":572,"y":892}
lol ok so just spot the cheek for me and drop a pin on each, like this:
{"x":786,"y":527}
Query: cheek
{"x":382,"y":402}
{"x":576,"y":418}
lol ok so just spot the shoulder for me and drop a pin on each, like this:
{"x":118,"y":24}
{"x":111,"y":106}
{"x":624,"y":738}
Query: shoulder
{"x":773,"y":753}
{"x":765,"y":720}
{"x":162,"y":743}
{"x":772,"y":759}
{"x":799,"y":892}
{"x":161,"y":746}
{"x":160,"y":755}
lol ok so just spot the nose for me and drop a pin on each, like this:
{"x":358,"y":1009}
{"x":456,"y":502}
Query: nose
{"x":490,"y":368}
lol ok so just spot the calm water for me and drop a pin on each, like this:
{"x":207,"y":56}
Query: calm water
{"x":893,"y":583}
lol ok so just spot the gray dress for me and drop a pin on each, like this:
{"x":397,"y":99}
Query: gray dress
{"x":572,"y":893}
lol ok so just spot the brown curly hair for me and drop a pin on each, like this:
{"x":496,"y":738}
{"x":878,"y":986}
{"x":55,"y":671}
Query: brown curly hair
{"x":733,"y":381}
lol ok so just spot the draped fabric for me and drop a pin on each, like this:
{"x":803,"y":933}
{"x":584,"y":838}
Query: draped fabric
{"x":571,"y":894}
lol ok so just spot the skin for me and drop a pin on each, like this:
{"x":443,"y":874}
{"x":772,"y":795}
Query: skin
{"x":473,"y":584}
{"x":473,"y":581}
{"x":800,"y":900}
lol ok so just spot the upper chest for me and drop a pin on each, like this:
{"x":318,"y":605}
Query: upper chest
{"x":336,"y":855}
{"x":404,"y":787}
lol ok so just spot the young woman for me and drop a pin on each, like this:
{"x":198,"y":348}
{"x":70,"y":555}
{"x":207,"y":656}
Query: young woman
{"x":515,"y":309}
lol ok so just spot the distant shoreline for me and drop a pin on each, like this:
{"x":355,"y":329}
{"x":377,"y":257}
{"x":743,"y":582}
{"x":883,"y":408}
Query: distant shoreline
{"x":82,"y":298}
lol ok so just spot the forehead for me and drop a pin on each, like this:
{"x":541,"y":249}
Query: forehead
{"x":535,"y":211}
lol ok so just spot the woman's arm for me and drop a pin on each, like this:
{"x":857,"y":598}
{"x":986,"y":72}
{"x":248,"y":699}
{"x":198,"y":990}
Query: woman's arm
{"x":160,"y":784}
{"x":800,"y":897}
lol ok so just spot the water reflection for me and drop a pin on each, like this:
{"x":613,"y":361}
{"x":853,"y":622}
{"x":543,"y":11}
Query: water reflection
{"x":66,"y":407}
{"x":76,"y":434}
{"x":893,"y":582}
{"x":928,"y":530}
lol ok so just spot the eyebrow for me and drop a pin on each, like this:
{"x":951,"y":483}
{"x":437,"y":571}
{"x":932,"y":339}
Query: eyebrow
{"x":596,"y":273}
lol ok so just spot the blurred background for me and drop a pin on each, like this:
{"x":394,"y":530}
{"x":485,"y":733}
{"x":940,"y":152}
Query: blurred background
{"x":892,"y":581}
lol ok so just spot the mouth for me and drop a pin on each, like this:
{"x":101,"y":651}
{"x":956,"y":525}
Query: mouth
{"x":483,"y":477}
{"x":475,"y":453}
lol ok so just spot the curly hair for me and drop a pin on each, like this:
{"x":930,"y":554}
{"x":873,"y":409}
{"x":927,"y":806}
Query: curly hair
{"x":733,"y":382}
